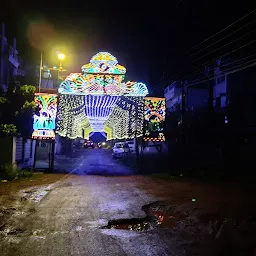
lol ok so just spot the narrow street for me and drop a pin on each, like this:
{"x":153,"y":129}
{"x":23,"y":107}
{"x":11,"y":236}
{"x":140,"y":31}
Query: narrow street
{"x":99,"y":209}
{"x":101,"y":162}
{"x":69,"y":221}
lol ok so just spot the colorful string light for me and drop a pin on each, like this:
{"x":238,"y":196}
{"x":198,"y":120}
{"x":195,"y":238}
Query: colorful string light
{"x":98,"y":100}
{"x":102,"y":76}
{"x":154,"y":116}
{"x":44,"y":123}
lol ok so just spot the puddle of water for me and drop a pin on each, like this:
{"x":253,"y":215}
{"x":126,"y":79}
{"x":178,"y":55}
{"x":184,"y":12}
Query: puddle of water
{"x":138,"y":224}
{"x":167,"y":219}
{"x":158,"y":215}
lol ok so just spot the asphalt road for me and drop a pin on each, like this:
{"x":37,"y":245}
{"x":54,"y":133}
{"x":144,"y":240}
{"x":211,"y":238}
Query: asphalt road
{"x":69,"y":219}
{"x":66,"y":217}
{"x":101,"y":162}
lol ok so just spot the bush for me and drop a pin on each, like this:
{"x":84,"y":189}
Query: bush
{"x":9,"y":171}
{"x":24,"y":173}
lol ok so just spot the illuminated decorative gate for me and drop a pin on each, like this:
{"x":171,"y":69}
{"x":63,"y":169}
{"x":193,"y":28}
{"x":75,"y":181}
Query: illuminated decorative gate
{"x":44,"y":120}
{"x":98,"y":100}
{"x":154,"y":118}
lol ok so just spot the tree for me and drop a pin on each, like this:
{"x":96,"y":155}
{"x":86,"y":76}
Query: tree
{"x":16,"y":109}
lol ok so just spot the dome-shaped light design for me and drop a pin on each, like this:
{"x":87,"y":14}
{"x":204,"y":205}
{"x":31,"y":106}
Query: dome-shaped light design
{"x":102,"y":76}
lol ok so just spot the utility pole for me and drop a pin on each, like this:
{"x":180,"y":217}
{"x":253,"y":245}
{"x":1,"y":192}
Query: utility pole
{"x":137,"y":140}
{"x":40,"y":71}
{"x":210,"y":91}
{"x":183,"y":110}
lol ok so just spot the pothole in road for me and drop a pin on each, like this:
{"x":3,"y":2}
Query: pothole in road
{"x":158,"y":215}
{"x":7,"y":230}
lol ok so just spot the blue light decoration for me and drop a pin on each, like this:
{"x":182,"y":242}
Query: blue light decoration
{"x":154,"y":118}
{"x":97,"y":100}
{"x":44,"y":123}
{"x":98,"y":109}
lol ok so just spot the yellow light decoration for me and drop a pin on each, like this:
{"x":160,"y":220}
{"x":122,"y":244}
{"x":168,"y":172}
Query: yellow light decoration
{"x":102,"y":77}
{"x":125,"y":120}
{"x":109,"y":132}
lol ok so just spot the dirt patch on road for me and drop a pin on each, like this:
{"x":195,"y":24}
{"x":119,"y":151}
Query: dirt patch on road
{"x":36,"y":180}
{"x":17,"y":197}
{"x":220,"y":219}
{"x":224,"y":199}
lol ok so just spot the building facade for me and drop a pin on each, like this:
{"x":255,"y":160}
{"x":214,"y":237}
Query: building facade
{"x":220,"y":88}
{"x":9,"y":61}
{"x":194,"y":97}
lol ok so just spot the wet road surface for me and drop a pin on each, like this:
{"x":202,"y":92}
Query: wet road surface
{"x":101,"y":162}
{"x":81,"y":214}
{"x":69,"y":220}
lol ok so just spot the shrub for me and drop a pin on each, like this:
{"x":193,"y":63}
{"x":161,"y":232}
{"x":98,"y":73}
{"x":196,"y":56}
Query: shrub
{"x":9,"y":171}
{"x":24,"y":173}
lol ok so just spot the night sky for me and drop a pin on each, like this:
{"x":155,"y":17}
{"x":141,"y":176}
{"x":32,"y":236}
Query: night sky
{"x":151,"y":40}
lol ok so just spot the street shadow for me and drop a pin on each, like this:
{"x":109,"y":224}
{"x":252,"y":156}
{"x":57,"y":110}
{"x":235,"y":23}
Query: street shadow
{"x":147,"y":163}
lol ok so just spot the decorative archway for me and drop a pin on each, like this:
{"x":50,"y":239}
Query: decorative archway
{"x":98,"y":100}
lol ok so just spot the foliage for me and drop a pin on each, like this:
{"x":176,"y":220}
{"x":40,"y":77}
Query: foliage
{"x":8,"y":129}
{"x":16,"y":109}
{"x":9,"y":171}
{"x":3,"y":100}
{"x":27,"y":90}
{"x":28,"y":106}
{"x":25,"y":173}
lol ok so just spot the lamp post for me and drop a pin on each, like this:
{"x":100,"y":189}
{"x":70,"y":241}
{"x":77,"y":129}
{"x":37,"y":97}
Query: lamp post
{"x":61,"y":57}
{"x":40,"y":71}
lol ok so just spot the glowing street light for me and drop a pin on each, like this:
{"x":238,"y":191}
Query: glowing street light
{"x":61,"y":56}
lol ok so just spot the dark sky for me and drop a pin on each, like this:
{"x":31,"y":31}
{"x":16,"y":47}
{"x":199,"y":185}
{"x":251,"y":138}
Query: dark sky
{"x":150,"y":40}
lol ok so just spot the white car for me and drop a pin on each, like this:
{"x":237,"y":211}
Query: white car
{"x":131,"y":144}
{"x":120,"y":149}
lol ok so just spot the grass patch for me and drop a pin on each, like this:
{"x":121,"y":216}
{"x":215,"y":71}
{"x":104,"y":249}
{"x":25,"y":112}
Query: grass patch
{"x":164,"y":176}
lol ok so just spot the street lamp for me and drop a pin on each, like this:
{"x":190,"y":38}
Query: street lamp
{"x":61,"y":57}
{"x":40,"y":71}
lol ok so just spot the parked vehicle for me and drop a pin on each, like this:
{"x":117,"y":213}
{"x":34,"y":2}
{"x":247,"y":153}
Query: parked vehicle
{"x":131,"y":144}
{"x":89,"y":144}
{"x":102,"y":144}
{"x":120,"y":149}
